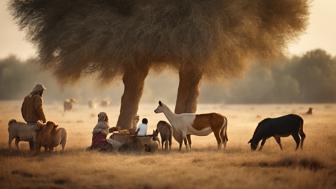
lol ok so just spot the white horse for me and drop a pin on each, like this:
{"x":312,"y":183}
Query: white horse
{"x":195,"y":124}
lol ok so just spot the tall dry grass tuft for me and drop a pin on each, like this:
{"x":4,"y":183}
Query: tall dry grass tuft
{"x":310,"y":163}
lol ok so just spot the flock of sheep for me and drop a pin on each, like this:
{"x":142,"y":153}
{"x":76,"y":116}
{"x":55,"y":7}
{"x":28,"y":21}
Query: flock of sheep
{"x":69,"y":103}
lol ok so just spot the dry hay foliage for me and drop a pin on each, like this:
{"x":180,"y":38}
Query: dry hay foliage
{"x":218,"y":36}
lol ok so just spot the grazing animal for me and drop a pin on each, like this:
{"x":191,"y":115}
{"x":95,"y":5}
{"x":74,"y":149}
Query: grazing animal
{"x":195,"y":124}
{"x":279,"y":127}
{"x":310,"y":111}
{"x":166,"y":133}
{"x":50,"y":136}
{"x":21,"y":132}
{"x":105,"y":103}
{"x":68,"y":104}
{"x":91,"y":104}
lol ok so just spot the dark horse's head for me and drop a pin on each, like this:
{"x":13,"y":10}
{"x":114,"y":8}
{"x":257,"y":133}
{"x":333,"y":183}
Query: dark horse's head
{"x":254,"y":144}
{"x":257,"y":135}
{"x":253,"y":141}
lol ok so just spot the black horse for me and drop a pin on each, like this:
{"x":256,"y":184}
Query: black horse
{"x":279,"y":127}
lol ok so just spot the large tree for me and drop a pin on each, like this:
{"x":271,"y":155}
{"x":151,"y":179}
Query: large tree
{"x":200,"y":38}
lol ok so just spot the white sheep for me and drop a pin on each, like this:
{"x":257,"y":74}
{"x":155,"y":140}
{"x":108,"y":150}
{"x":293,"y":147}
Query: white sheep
{"x":21,"y":132}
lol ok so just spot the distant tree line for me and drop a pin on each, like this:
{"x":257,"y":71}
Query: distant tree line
{"x":301,"y":79}
{"x":310,"y":78}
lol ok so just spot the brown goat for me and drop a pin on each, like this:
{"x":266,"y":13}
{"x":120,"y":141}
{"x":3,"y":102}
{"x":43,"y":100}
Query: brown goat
{"x":166,"y":134}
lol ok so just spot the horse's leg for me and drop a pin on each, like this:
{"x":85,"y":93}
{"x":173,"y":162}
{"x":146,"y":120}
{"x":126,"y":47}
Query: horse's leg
{"x":184,"y":139}
{"x":180,"y":145}
{"x":303,"y":136}
{"x":166,"y":145}
{"x":218,"y":138}
{"x":223,"y":133}
{"x":169,"y":144}
{"x":297,"y":139}
{"x":223,"y":136}
{"x":186,"y":143}
{"x":262,"y":144}
{"x":169,"y":140}
{"x":189,"y":141}
{"x":180,"y":138}
{"x":278,"y":140}
{"x":163,"y":141}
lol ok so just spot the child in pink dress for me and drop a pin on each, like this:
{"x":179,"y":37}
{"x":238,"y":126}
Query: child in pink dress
{"x":100,"y":132}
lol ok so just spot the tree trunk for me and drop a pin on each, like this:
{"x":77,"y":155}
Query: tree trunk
{"x":134,"y":80}
{"x":188,"y":89}
{"x":187,"y":94}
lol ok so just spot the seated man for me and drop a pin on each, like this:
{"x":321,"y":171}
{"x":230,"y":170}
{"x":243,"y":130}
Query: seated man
{"x":142,"y":128}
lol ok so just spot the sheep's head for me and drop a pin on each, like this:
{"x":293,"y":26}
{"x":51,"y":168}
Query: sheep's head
{"x":40,"y":125}
{"x":50,"y":125}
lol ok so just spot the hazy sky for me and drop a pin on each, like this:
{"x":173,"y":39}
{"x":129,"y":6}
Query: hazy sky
{"x":320,"y":33}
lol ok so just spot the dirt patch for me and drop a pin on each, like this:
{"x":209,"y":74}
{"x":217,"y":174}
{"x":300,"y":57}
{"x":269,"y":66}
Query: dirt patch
{"x":61,"y":181}
{"x":197,"y":160}
{"x":146,"y":186}
{"x":147,"y":161}
{"x":290,"y":162}
{"x":332,"y":172}
{"x":22,"y":173}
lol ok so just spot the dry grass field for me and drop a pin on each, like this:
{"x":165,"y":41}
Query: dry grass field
{"x":203,"y":167}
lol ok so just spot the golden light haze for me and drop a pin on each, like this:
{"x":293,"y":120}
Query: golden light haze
{"x":320,"y":32}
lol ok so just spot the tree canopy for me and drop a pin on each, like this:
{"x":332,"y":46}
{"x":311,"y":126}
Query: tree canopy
{"x":218,"y":36}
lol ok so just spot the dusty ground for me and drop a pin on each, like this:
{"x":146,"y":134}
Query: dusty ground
{"x":203,"y":167}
